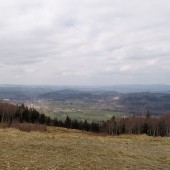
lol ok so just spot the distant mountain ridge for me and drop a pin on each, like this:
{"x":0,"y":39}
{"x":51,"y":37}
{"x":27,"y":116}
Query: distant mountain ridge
{"x":68,"y":94}
{"x":140,"y":102}
{"x":124,"y":98}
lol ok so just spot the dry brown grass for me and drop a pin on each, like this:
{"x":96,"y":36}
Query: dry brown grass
{"x":26,"y":127}
{"x":59,"y":148}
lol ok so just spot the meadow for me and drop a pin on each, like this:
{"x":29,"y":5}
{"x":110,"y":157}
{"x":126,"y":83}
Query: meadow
{"x":59,"y":148}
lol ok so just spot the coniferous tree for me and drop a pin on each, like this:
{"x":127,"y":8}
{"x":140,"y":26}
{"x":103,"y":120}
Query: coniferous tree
{"x":55,"y":122}
{"x":86,"y":126}
{"x":94,"y":127}
{"x":42,"y":118}
{"x":67,"y":122}
{"x":48,"y":121}
{"x":75,"y":124}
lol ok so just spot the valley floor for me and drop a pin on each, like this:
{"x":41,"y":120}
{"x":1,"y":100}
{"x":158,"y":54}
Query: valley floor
{"x":59,"y":148}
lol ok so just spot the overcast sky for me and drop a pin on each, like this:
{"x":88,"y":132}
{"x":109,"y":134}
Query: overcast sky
{"x":84,"y":42}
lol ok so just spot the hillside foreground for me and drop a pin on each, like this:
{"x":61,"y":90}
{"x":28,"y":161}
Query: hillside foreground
{"x":60,"y":148}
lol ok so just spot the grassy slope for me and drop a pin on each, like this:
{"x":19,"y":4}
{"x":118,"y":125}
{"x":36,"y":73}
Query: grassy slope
{"x":70,"y":149}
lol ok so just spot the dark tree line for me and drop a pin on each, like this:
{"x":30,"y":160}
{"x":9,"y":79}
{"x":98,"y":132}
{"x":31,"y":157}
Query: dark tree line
{"x":150,"y":125}
{"x":7,"y":113}
{"x":75,"y":124}
{"x":153,"y":126}
{"x":10,"y":113}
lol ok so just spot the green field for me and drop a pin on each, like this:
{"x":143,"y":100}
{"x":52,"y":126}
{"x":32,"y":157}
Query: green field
{"x":92,"y":115}
{"x":76,"y":109}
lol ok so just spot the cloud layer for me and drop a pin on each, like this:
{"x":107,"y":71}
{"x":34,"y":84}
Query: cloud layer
{"x":73,"y":42}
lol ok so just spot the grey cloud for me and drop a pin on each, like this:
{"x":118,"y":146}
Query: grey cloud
{"x":74,"y":42}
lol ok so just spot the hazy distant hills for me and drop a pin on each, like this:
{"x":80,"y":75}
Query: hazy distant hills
{"x":64,"y":95}
{"x":132,"y":103}
{"x":124,"y":98}
{"x":21,"y":92}
{"x":12,"y":94}
{"x":140,"y":102}
{"x":140,"y":88}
